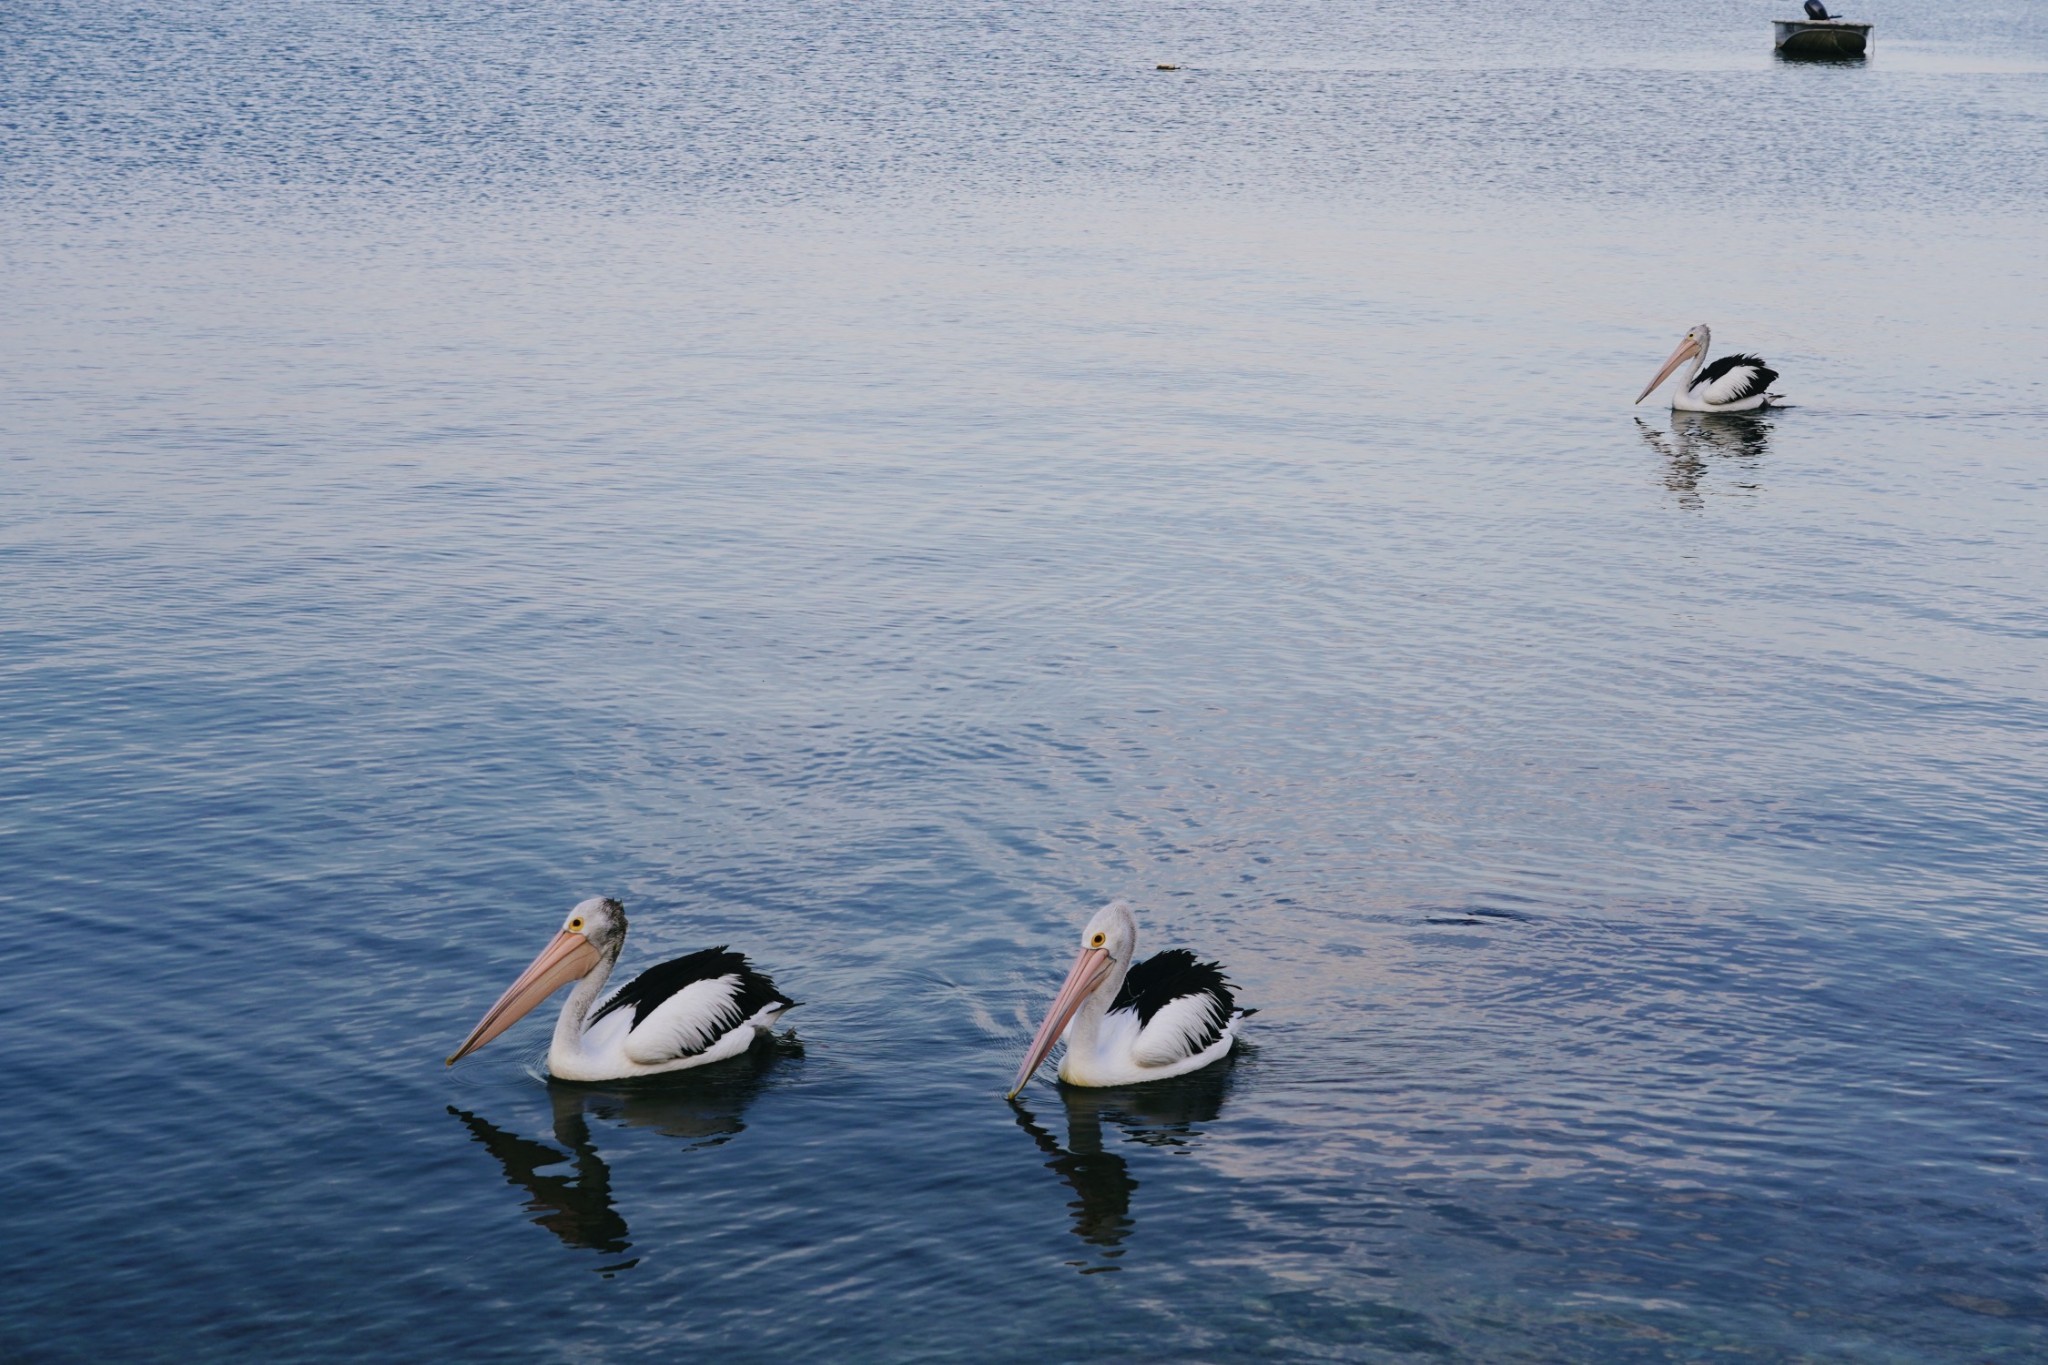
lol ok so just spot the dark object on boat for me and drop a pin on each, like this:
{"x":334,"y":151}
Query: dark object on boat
{"x":1820,"y":39}
{"x":1816,"y":10}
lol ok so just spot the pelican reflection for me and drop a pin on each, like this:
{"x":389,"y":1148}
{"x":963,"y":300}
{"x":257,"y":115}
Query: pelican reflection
{"x":576,"y":1204}
{"x":1696,"y":438}
{"x":1159,"y":1114}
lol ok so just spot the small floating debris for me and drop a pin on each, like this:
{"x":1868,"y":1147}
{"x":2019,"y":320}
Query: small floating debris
{"x":1166,"y":66}
{"x":1820,"y":36}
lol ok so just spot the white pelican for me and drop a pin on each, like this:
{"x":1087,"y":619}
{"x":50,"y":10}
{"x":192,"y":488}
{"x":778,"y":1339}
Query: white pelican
{"x":691,"y":1011}
{"x":1133,"y":1021}
{"x":1734,"y":383}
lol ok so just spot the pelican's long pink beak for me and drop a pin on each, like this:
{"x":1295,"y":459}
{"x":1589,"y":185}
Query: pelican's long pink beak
{"x":1089,"y":970}
{"x":1686,"y":350}
{"x":568,"y":958}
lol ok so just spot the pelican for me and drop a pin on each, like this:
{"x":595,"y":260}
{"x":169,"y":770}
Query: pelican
{"x":1127,"y":1021}
{"x":691,"y":1011}
{"x":1734,"y":383}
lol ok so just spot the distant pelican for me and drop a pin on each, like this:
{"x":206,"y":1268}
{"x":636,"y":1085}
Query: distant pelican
{"x":1734,"y":383}
{"x":1133,"y":1021}
{"x":691,"y":1011}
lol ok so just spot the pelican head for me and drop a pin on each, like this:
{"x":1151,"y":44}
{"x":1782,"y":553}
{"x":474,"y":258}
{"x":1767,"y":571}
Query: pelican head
{"x":1107,"y":945}
{"x":1694,"y":347}
{"x":592,"y":934}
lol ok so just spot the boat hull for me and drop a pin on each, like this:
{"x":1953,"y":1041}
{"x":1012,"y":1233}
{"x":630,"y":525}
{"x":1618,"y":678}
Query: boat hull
{"x":1821,"y":39}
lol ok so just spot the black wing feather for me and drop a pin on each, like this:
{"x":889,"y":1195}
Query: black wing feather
{"x":646,"y":992}
{"x":1163,"y":978}
{"x":1764,"y":377}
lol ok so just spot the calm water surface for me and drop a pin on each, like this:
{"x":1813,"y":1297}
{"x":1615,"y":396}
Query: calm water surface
{"x":867,"y":484}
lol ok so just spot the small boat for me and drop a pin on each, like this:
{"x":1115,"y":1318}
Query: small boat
{"x":1820,"y":39}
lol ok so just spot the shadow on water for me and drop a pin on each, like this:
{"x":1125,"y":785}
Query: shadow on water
{"x":702,"y":1109}
{"x":1161,"y":1114}
{"x":1696,"y":439}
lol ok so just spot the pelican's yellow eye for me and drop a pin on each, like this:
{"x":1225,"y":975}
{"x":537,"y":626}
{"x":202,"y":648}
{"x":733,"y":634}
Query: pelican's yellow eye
{"x":1097,"y":941}
{"x":576,"y":925}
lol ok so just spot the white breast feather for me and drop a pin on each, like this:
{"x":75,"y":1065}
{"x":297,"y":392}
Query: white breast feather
{"x":1176,"y":1031}
{"x":687,"y":1022}
{"x":608,"y":1032}
{"x":1118,"y":1035}
{"x":1725,"y":389}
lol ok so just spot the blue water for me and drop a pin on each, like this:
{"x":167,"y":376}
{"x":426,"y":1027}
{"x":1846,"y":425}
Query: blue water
{"x":868,"y":484}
